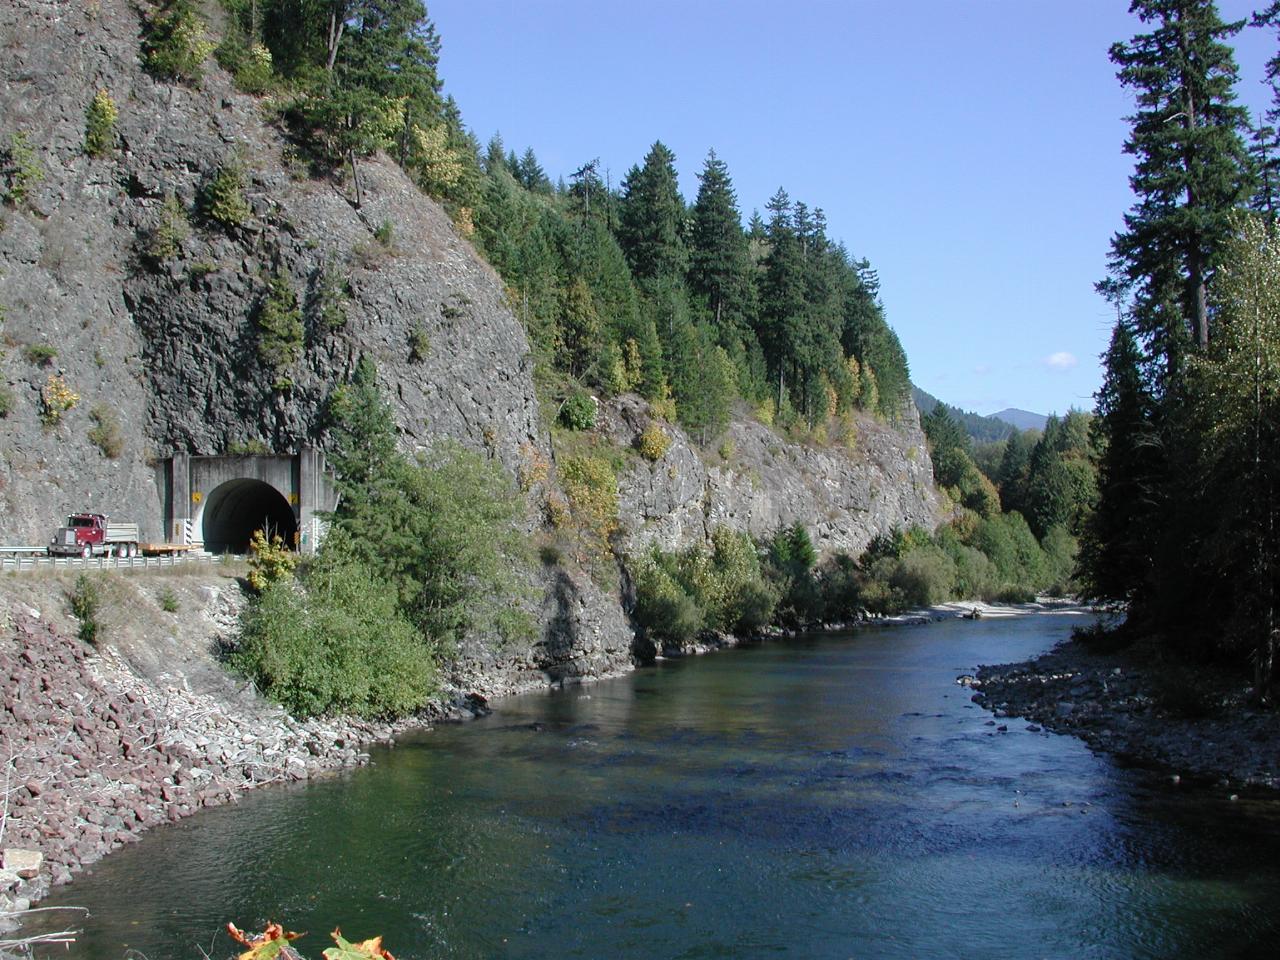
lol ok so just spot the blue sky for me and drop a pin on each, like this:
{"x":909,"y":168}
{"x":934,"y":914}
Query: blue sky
{"x":970,"y":149}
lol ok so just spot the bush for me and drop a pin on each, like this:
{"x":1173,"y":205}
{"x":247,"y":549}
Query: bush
{"x":171,"y":230}
{"x":86,"y":603}
{"x":663,"y":607}
{"x":1103,"y":637}
{"x":270,"y":561}
{"x":105,"y":432}
{"x":445,"y":533}
{"x":167,"y":599}
{"x":6,"y":402}
{"x":100,"y":125}
{"x":330,"y":298}
{"x":924,"y":577}
{"x":653,"y":443}
{"x":578,"y":412}
{"x":419,"y":344}
{"x":1060,"y":550}
{"x":174,"y":43}
{"x":592,"y":489}
{"x":21,"y":169}
{"x":279,"y":321}
{"x":221,"y":198}
{"x":40,"y":354}
{"x":337,"y":643}
{"x":250,"y":64}
{"x":56,"y":398}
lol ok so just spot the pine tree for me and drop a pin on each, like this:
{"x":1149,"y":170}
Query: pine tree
{"x":362,"y":432}
{"x":1191,"y":168}
{"x":1117,"y":547}
{"x":651,"y":219}
{"x":719,"y":263}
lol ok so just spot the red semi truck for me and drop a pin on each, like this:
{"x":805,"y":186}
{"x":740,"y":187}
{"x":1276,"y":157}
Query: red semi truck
{"x":90,"y":535}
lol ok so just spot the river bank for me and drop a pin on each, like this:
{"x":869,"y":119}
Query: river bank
{"x":1195,"y":722}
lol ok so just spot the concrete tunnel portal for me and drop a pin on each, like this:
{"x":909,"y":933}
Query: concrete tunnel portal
{"x":235,"y":509}
{"x":216,"y":502}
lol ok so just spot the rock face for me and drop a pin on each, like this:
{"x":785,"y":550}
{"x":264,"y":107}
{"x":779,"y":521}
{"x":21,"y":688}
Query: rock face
{"x":843,"y":497}
{"x":170,"y":349}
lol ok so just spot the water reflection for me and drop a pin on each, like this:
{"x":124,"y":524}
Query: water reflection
{"x":833,"y":797}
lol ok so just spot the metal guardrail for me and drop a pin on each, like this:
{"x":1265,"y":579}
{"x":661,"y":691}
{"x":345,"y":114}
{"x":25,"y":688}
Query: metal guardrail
{"x":13,"y":559}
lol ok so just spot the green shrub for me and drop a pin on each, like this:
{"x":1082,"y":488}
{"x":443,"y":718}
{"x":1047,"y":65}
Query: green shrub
{"x":249,"y":63}
{"x":578,"y":412}
{"x":279,"y":322}
{"x":170,"y":231}
{"x":1060,"y":550}
{"x":85,"y":598}
{"x":167,"y":599}
{"x":254,"y":447}
{"x":1011,"y":593}
{"x":41,"y":354}
{"x":174,"y":43}
{"x":100,"y":125}
{"x":419,"y":344}
{"x":664,"y":607}
{"x":6,"y":402}
{"x":1103,"y":637}
{"x":106,"y":433}
{"x":221,"y":198}
{"x":21,"y":168}
{"x":925,"y":576}
{"x":592,"y":489}
{"x":721,"y":587}
{"x":335,"y":644}
{"x":385,"y":235}
{"x":331,"y":295}
{"x":653,"y":443}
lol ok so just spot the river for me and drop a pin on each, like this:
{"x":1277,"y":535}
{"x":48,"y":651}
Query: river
{"x":832,"y":796}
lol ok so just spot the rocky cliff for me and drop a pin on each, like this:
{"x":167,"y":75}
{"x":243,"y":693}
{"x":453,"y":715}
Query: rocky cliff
{"x":171,"y":347}
{"x":757,"y":482}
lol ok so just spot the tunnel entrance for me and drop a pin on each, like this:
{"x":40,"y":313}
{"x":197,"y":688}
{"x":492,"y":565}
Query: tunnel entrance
{"x":237,"y":508}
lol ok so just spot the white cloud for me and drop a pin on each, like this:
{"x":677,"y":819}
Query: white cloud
{"x":1061,"y":360}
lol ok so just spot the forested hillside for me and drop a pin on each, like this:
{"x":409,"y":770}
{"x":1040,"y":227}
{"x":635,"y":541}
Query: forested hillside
{"x":622,"y":287}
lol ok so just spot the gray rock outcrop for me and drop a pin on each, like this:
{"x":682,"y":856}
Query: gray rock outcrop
{"x":844,"y":497}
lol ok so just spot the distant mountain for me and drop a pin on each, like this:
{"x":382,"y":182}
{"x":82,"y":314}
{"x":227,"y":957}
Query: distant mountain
{"x":1022,"y":419}
{"x":981,"y":429}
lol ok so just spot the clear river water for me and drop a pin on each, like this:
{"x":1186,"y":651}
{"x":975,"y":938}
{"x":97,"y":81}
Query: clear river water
{"x":833,"y":796}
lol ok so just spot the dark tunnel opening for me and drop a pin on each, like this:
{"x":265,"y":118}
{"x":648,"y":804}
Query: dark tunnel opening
{"x":237,"y":508}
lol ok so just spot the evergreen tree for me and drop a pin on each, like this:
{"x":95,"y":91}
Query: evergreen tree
{"x":1191,"y":168}
{"x":362,"y":432}
{"x":651,"y":219}
{"x":719,"y":262}
{"x":1117,"y":546}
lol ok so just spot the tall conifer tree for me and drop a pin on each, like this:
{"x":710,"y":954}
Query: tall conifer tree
{"x":1191,"y":168}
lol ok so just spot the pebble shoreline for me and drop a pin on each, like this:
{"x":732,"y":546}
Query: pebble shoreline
{"x":1198,"y":724}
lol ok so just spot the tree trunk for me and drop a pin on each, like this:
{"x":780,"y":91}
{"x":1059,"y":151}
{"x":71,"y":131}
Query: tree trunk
{"x":337,"y":24}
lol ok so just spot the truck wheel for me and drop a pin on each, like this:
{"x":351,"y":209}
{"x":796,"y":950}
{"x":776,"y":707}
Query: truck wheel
{"x":86,"y":551}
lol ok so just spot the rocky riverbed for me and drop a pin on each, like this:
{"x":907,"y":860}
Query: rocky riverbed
{"x":1196,"y":722}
